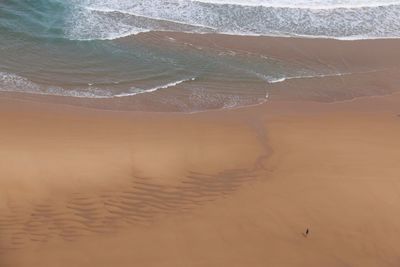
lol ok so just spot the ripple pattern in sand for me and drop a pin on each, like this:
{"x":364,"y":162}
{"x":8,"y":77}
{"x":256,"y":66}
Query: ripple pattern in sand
{"x":138,"y":202}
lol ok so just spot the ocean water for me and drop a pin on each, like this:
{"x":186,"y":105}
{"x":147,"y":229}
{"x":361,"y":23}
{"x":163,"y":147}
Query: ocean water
{"x":73,"y":48}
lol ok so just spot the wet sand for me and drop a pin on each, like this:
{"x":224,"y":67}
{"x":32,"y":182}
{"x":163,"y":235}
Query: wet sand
{"x":363,"y":68}
{"x":234,"y":187}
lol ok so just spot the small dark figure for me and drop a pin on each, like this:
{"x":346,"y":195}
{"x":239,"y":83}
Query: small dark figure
{"x":307,"y":232}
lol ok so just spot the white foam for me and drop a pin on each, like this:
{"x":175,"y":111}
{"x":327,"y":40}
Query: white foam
{"x":10,"y":82}
{"x":305,"y":4}
{"x":334,"y":19}
{"x":279,"y":80}
{"x":161,"y":19}
{"x":136,"y":91}
{"x":85,"y":25}
{"x":13,"y":82}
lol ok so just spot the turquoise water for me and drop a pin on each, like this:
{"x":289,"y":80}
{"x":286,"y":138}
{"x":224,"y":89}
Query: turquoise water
{"x":74,"y":49}
{"x":37,"y":54}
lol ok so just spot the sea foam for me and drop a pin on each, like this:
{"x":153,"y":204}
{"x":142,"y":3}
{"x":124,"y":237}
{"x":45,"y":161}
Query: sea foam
{"x":10,"y":82}
{"x":339,"y":19}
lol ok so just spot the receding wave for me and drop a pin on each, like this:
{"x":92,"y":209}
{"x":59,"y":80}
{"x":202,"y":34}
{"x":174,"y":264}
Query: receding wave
{"x":10,"y":82}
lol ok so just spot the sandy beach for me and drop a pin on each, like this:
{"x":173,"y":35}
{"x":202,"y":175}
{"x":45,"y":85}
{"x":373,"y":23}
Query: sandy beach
{"x":83,"y":187}
{"x":94,"y":182}
{"x":200,"y":133}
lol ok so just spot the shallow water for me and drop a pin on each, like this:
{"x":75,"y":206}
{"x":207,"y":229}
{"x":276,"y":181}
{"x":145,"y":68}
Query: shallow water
{"x":72,"y":48}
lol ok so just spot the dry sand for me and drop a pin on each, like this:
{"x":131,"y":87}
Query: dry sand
{"x":98,"y":188}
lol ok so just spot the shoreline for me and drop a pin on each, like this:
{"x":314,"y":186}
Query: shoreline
{"x":375,"y":74}
{"x":294,"y":36}
{"x":210,"y":111}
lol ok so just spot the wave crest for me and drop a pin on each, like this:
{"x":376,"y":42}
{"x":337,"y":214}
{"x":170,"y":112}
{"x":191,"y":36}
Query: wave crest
{"x":330,"y":19}
{"x":111,"y":19}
